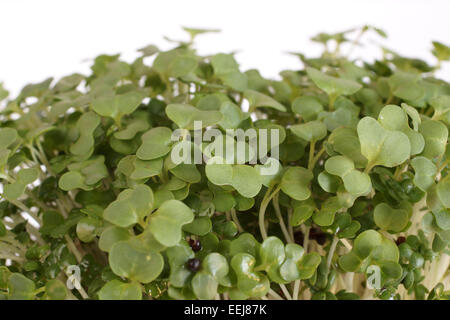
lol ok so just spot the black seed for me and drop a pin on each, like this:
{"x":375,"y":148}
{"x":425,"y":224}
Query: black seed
{"x":400,"y":240}
{"x":196,"y":246}
{"x":193,"y":264}
{"x":191,"y":242}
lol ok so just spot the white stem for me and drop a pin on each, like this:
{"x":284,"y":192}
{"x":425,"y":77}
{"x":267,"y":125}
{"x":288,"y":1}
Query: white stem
{"x":331,"y":252}
{"x":296,"y":289}
{"x":285,"y":292}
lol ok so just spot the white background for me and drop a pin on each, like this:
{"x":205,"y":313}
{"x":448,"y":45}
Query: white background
{"x":54,"y":38}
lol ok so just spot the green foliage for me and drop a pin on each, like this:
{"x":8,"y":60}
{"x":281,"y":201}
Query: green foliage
{"x":356,"y":207}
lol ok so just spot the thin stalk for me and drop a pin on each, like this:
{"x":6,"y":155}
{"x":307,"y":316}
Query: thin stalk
{"x":71,"y":246}
{"x":285,"y":292}
{"x":296,"y":290}
{"x":306,"y":239}
{"x":27,"y":210}
{"x":275,"y":295}
{"x":291,"y":229}
{"x":346,"y":244}
{"x":311,"y":154}
{"x":442,"y":166}
{"x":43,"y":157}
{"x":390,"y":98}
{"x":399,"y":170}
{"x":276,"y":205}
{"x":262,"y":210}
{"x":331,"y":252}
{"x":368,"y":168}
{"x":317,"y":157}
{"x":236,"y":220}
{"x":16,"y":244}
{"x":35,"y":232}
{"x":331,"y":101}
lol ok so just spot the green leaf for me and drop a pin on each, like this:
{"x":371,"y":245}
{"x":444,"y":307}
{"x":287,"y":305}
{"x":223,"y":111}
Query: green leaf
{"x":289,"y":270}
{"x":413,"y":114}
{"x":441,"y":106}
{"x":442,"y":218}
{"x":301,"y":213}
{"x":325,"y":216}
{"x":20,"y":287}
{"x":184,"y":116}
{"x":167,"y":221}
{"x":136,"y":263}
{"x":86,"y":125}
{"x":406,"y":85}
{"x":390,"y":219}
{"x":350,"y":262}
{"x":7,"y":137}
{"x":331,"y":85}
{"x":84,"y":175}
{"x":217,"y":266}
{"x":425,"y":172}
{"x":14,"y":190}
{"x":394,"y":118}
{"x":308,"y":265}
{"x":380,"y":146}
{"x":155,"y":143}
{"x":272,"y":256}
{"x":232,"y":115}
{"x":308,"y":107}
{"x":87,"y":228}
{"x":55,"y":289}
{"x":245,"y":243}
{"x":257,"y":99}
{"x":328,"y":182}
{"x":146,"y":169}
{"x":111,"y":235}
{"x":116,"y":106}
{"x":441,"y":51}
{"x":223,"y":63}
{"x":193,"y":32}
{"x":245,"y":179}
{"x":130,"y":207}
{"x":346,"y":142}
{"x":295,"y":183}
{"x":200,"y":226}
{"x":118,"y":290}
{"x":204,"y":286}
{"x":178,"y":256}
{"x":355,"y":182}
{"x":443,"y":191}
{"x":310,"y":131}
{"x":366,"y":242}
{"x":182,"y":65}
{"x":253,"y":284}
{"x":436,"y":135}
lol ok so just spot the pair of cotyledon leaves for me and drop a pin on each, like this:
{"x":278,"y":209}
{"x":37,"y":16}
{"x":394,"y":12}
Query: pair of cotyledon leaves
{"x":22,"y":288}
{"x":14,"y":190}
{"x":137,"y":257}
{"x":84,"y":175}
{"x":248,"y":181}
{"x":372,"y":248}
{"x":280,"y":263}
{"x":134,"y":205}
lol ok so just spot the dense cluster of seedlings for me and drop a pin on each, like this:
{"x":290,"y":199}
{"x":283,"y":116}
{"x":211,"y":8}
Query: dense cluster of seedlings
{"x":93,"y":206}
